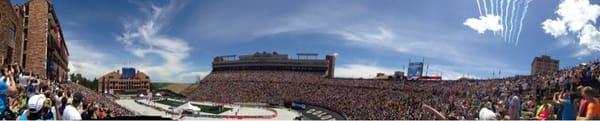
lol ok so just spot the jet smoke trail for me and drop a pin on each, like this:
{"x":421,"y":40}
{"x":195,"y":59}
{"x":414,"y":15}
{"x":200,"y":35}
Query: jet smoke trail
{"x":505,"y":24}
{"x":497,"y":7}
{"x":479,"y":8}
{"x":502,"y":15}
{"x":517,"y":18}
{"x":497,"y":13}
{"x":512,"y":14}
{"x":485,"y":7}
{"x":492,"y":7}
{"x":522,"y":17}
{"x":513,"y":21}
{"x":512,"y":18}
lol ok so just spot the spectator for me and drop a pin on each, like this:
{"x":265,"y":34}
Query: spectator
{"x":566,"y":104}
{"x":34,"y":108}
{"x":583,"y":103}
{"x":487,"y":114}
{"x":515,"y":107}
{"x":593,"y":108}
{"x":70,"y":112}
{"x":7,"y":87}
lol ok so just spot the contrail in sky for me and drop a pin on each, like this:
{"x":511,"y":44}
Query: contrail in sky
{"x":501,"y":15}
{"x":511,"y":14}
{"x":522,"y":17}
{"x":479,"y":8}
{"x":492,"y":7}
{"x":512,"y":18}
{"x":506,"y":21}
{"x":485,"y":7}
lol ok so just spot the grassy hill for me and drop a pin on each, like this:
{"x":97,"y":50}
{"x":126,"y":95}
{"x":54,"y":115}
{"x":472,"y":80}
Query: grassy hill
{"x":159,"y":85}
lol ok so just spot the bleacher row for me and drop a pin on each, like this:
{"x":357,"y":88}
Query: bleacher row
{"x":383,"y":99}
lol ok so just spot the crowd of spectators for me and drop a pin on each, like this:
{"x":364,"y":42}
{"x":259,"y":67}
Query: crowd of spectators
{"x":547,"y":96}
{"x":24,"y":96}
{"x":101,"y":105}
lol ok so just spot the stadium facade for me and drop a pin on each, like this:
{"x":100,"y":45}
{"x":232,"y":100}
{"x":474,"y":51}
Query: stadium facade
{"x":308,"y":62}
{"x":124,"y":81}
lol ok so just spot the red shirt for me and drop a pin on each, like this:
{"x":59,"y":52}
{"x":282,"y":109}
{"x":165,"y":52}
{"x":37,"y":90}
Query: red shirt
{"x":583,"y":104}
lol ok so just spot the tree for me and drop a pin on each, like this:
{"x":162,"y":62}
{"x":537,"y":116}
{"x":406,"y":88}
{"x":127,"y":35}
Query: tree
{"x":93,"y":85}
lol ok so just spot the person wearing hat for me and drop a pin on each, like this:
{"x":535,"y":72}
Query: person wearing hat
{"x":34,"y":108}
{"x":70,"y":112}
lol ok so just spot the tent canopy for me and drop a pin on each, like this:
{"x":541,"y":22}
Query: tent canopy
{"x":188,"y":107}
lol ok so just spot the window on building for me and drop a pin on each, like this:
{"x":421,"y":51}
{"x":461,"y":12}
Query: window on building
{"x":11,"y":36}
{"x":24,"y":60}
{"x":11,"y":43}
{"x":25,"y":41}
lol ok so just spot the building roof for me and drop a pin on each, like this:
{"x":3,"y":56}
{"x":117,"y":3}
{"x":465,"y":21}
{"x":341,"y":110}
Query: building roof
{"x":118,"y":73}
{"x":544,"y":58}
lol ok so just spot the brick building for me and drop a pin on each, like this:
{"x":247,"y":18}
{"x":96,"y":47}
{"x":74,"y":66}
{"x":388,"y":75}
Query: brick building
{"x":544,"y":65}
{"x":45,"y":50}
{"x":126,"y":81}
{"x":11,"y":34}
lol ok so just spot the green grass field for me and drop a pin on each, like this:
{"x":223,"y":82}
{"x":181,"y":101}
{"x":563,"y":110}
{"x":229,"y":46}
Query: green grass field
{"x":203,"y":108}
{"x":306,"y":118}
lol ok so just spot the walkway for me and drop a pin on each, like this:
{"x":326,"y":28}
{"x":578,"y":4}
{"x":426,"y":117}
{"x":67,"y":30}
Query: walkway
{"x":130,"y":104}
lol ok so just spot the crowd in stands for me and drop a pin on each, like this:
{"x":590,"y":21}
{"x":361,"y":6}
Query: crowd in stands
{"x":24,"y":96}
{"x":102,"y":105}
{"x":569,"y":94}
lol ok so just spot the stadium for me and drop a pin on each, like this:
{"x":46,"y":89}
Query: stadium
{"x":177,"y":60}
{"x":274,"y":80}
{"x":272,"y":86}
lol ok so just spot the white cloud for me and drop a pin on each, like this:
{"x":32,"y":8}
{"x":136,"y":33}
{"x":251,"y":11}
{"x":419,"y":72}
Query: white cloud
{"x":381,"y":36}
{"x":361,"y":70}
{"x":144,"y":37}
{"x":576,"y":17}
{"x":555,"y":28}
{"x":370,"y":70}
{"x":485,"y":23}
{"x":590,"y":37}
{"x":582,"y":52}
{"x":87,"y":60}
{"x":577,"y":13}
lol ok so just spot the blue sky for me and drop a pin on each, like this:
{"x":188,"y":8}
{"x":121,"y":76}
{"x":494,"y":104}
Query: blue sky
{"x":175,"y":41}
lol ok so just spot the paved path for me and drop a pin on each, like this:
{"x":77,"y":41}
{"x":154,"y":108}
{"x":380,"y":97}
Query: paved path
{"x":130,"y":104}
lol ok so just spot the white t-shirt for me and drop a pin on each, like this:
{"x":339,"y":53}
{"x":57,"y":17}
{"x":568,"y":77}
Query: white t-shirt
{"x":57,"y":99}
{"x":71,"y":113}
{"x":23,"y":80}
{"x":486,"y":114}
